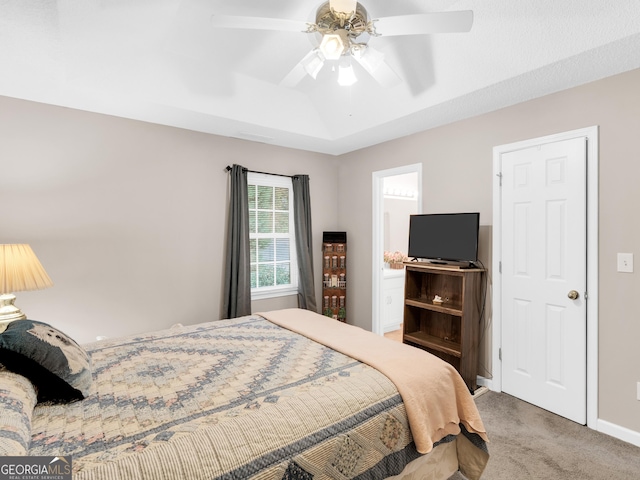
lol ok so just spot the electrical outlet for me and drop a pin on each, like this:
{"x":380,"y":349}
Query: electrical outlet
{"x":625,"y":262}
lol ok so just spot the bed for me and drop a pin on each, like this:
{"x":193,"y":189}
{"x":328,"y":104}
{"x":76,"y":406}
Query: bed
{"x":287,"y":394}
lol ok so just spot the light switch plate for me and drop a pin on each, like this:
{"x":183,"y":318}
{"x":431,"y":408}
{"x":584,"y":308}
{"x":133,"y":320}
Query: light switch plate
{"x":625,"y":262}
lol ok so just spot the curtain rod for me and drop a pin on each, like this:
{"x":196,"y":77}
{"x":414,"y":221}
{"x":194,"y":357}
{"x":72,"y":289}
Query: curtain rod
{"x":228,"y":169}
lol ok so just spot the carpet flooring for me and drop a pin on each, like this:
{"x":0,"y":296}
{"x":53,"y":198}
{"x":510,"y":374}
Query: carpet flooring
{"x":527,"y":442}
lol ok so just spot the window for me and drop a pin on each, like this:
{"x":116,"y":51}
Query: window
{"x":272,"y":236}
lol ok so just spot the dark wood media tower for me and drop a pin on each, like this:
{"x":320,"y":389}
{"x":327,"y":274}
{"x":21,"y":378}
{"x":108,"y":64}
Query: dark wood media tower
{"x":449,"y":329}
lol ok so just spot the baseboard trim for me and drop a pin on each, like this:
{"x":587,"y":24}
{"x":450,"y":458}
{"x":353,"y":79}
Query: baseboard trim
{"x":621,"y":433}
{"x":484,"y":382}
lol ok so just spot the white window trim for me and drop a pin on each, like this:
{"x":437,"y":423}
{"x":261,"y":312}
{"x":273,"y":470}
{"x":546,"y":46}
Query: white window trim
{"x":261,"y":293}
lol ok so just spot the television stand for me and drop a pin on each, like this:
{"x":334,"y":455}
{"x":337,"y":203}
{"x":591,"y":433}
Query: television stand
{"x":447,"y":327}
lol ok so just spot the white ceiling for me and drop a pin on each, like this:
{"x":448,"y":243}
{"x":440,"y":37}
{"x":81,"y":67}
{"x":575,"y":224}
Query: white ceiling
{"x":161,"y":61}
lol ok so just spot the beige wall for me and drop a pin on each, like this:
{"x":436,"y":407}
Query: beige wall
{"x":128,"y":218}
{"x":457,"y":170}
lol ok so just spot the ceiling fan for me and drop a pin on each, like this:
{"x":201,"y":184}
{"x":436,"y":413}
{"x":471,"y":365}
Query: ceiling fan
{"x":345,"y":28}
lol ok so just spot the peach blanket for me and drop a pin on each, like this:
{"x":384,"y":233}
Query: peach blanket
{"x":435,"y":396}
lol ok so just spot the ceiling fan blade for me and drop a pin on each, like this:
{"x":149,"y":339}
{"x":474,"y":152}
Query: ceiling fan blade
{"x":386,"y":76}
{"x":373,"y":62}
{"x":425,"y":23}
{"x":259,"y":23}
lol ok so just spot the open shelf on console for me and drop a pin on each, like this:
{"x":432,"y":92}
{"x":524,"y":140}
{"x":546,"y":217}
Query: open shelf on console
{"x":449,"y":329}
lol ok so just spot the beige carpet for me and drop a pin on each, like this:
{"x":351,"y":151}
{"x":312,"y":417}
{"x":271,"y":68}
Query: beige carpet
{"x":530,"y":443}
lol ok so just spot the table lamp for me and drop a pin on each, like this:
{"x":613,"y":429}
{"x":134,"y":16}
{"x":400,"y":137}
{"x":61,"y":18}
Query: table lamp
{"x":20,"y":270}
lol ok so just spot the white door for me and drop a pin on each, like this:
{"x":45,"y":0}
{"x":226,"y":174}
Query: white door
{"x":544,"y":252}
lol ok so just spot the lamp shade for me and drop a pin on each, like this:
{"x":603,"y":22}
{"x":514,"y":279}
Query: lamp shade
{"x":21,"y":270}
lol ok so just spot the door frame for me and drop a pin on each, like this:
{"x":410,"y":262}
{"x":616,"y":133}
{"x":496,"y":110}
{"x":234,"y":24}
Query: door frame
{"x":377,"y":244}
{"x":591,"y":133}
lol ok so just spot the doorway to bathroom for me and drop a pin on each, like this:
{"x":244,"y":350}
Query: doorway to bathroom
{"x":397,"y":194}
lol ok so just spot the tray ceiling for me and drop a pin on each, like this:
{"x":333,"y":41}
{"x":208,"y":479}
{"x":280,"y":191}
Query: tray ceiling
{"x":161,"y":61}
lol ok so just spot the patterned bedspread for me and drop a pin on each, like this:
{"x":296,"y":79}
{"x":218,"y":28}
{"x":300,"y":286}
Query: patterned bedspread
{"x":17,"y":399}
{"x":231,"y":399}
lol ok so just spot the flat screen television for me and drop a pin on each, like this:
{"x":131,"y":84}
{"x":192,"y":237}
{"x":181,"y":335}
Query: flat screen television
{"x":444,"y":237}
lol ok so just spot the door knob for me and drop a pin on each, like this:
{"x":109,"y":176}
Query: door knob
{"x":573,"y":295}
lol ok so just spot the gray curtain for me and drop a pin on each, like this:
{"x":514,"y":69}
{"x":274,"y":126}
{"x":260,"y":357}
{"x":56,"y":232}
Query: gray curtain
{"x":304,"y":243}
{"x":237,"y":276}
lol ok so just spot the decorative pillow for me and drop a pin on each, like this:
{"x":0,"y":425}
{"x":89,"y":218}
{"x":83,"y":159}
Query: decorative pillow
{"x":58,"y":367}
{"x":17,"y":399}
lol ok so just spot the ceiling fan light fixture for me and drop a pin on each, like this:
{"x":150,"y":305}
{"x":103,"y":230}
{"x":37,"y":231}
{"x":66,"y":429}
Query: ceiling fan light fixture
{"x":345,"y":28}
{"x":343,"y":6}
{"x":332,"y":46}
{"x":346,"y":75}
{"x":369,"y":58}
{"x":312,"y":63}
